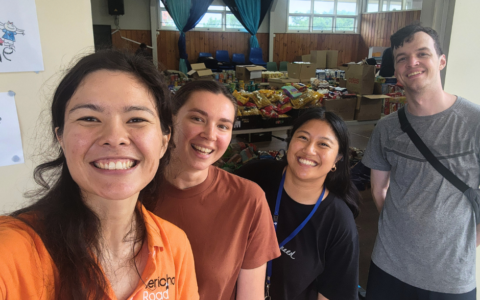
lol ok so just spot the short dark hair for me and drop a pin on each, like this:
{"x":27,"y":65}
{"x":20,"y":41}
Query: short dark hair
{"x":338,"y":182}
{"x":405,"y":35}
{"x":183,"y":94}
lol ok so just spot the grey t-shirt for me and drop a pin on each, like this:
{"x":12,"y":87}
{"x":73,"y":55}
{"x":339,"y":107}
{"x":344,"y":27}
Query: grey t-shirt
{"x":426,"y":230}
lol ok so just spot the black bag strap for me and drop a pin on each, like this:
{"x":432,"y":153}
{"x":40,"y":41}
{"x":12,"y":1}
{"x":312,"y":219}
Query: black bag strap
{"x":417,"y":141}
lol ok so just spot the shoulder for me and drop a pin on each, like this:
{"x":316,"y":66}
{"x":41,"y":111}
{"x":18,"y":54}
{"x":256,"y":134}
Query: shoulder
{"x":389,"y":121}
{"x":166,"y":229}
{"x":237,"y":185}
{"x":15,"y":234}
{"x":466,"y":109}
{"x":262,"y":171}
{"x":339,"y":216}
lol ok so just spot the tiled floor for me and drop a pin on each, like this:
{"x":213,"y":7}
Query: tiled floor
{"x":368,"y":218}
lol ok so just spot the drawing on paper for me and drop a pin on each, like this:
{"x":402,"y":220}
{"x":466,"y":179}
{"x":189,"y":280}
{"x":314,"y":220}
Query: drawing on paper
{"x":8,"y":39}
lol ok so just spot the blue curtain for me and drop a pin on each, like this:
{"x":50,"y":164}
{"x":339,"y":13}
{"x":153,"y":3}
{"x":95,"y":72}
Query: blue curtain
{"x":250,"y":13}
{"x":186,"y":14}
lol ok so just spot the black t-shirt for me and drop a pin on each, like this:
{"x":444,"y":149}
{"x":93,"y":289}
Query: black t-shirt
{"x":323,"y":256}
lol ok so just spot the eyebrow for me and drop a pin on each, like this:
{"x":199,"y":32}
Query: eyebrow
{"x":138,"y":108}
{"x":420,"y":49}
{"x":204,"y":113}
{"x":323,"y":137}
{"x":86,"y":106}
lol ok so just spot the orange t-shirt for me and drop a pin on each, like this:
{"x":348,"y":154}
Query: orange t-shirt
{"x":228,"y":223}
{"x":27,"y":270}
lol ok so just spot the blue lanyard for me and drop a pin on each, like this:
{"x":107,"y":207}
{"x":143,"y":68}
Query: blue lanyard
{"x":296,"y":231}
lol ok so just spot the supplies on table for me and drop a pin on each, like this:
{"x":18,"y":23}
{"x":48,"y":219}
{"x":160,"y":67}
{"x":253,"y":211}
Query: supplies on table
{"x":302,"y":71}
{"x":249,"y":72}
{"x":395,"y":102}
{"x":369,"y":107}
{"x":324,"y":59}
{"x":360,"y":78}
{"x":343,"y":106}
{"x":278,"y":83}
{"x":200,"y":71}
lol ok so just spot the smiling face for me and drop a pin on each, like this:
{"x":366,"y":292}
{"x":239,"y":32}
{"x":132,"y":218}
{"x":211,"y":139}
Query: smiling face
{"x":112,"y":139}
{"x":203,"y":130}
{"x":313,"y":151}
{"x":417,"y":64}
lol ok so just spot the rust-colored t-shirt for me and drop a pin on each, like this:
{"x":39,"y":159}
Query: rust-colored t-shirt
{"x":229,"y":225}
{"x":27,"y":270}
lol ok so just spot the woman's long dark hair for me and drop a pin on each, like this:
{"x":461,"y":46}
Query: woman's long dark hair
{"x":338,"y":182}
{"x":68,"y":228}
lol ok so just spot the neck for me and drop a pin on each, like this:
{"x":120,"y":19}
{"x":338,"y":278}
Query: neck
{"x":183,"y":179}
{"x":301,"y":191}
{"x":427,"y":103}
{"x":117,"y":220}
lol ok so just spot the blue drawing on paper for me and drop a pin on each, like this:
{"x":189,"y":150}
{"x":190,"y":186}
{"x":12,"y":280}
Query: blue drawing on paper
{"x":8,"y":39}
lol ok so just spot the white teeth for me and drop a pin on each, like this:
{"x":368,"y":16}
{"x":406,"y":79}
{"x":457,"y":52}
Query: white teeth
{"x":307,"y":162}
{"x":415,"y":73}
{"x":119,"y":165}
{"x":202,"y":149}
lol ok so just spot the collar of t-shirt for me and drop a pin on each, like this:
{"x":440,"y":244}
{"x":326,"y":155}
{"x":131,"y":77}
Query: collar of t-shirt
{"x":194,"y":191}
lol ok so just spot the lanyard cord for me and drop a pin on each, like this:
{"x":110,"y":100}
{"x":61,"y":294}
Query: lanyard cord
{"x":296,"y":231}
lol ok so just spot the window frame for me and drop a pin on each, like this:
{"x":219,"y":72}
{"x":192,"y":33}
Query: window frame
{"x":380,"y":7}
{"x":225,"y":11}
{"x":312,"y":15}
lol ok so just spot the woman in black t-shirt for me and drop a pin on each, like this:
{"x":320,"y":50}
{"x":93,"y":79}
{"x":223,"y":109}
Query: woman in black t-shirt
{"x":315,"y":221}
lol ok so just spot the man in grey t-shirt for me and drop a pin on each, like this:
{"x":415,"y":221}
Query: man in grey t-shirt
{"x":427,"y":232}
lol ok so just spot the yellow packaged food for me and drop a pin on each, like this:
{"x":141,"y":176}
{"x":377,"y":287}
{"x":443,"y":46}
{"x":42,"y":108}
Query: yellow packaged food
{"x":260,"y":100}
{"x":243,"y":99}
{"x":239,"y":111}
{"x":267,"y":93}
{"x":250,"y":111}
{"x":304,"y":99}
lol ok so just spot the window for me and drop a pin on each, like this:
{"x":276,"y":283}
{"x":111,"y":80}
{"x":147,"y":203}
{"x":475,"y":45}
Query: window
{"x":217,"y":18}
{"x":323,"y":16}
{"x":392,"y":5}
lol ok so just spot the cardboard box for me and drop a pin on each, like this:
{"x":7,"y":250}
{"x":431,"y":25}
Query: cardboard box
{"x":304,"y":58}
{"x":199,"y":71}
{"x":344,"y":108}
{"x":277,"y":83}
{"x":360,"y":79}
{"x":319,"y":58}
{"x":342,"y":83}
{"x":332,"y":59}
{"x":377,"y":88}
{"x":301,"y":71}
{"x":369,"y":107}
{"x":249,"y":72}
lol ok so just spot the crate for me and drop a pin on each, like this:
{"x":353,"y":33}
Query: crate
{"x":276,"y":122}
{"x":247,"y":122}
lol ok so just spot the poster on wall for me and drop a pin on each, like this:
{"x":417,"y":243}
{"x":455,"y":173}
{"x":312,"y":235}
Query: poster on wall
{"x":20,"y":48}
{"x":11,"y":150}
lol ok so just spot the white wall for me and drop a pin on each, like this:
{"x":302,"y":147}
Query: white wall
{"x":464,"y":64}
{"x":137,"y":15}
{"x":65,"y":31}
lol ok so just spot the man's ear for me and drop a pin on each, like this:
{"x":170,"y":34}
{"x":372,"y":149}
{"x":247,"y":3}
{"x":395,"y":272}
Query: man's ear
{"x":443,"y":61}
{"x":59,"y":138}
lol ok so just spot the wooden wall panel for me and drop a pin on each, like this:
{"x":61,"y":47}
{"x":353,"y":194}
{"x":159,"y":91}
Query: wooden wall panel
{"x":288,"y":45}
{"x":197,"y":41}
{"x":376,"y":29}
{"x":205,"y":41}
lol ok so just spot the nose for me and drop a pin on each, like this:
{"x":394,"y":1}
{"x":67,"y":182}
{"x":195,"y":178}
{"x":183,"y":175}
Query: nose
{"x":310,"y":148}
{"x":209,"y":132}
{"x":114,"y":133}
{"x":412,"y":61}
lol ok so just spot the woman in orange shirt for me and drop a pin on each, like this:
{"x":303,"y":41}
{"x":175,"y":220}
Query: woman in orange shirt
{"x":88,"y":235}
